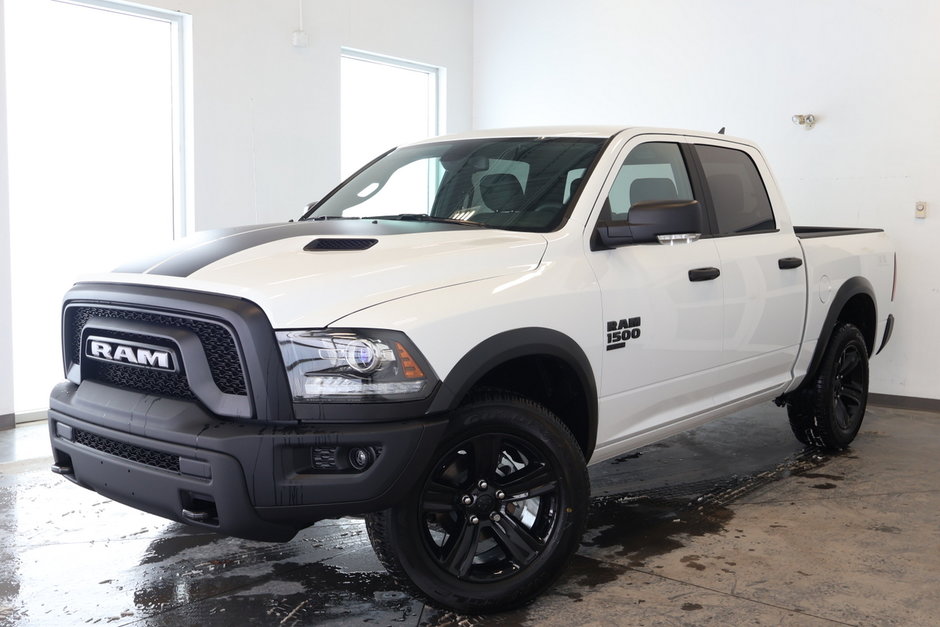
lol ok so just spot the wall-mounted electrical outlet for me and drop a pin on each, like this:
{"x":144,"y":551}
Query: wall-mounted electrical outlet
{"x":920,"y":209}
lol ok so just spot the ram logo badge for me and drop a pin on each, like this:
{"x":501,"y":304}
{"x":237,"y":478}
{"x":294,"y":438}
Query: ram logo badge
{"x":620,"y":331}
{"x":131,"y":353}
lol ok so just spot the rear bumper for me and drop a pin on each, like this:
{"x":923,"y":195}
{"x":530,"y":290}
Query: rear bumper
{"x":250,"y":480}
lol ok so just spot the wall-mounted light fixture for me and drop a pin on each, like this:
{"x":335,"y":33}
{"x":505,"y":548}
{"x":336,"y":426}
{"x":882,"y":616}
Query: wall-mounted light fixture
{"x":807,"y":121}
{"x":299,"y":37}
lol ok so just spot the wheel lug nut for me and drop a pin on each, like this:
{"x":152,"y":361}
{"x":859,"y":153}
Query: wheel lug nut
{"x":474,"y":520}
{"x":482,"y":484}
{"x":466,"y":500}
{"x":495,"y":517}
{"x":500,"y":494}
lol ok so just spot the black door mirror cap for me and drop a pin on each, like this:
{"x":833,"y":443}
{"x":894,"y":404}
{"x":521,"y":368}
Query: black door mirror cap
{"x":650,"y":219}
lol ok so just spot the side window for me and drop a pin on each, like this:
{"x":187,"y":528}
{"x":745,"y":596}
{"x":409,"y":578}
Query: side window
{"x":653,"y":171}
{"x":737,"y":190}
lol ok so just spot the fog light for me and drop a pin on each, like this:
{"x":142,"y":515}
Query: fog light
{"x":361,"y":458}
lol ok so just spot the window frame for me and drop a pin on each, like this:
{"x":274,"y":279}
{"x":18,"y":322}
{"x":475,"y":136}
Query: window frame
{"x":182,"y":107}
{"x":437,"y":92}
{"x":436,"y":74}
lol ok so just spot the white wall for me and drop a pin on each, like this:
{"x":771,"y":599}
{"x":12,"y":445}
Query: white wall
{"x":868,"y":70}
{"x":6,"y":333}
{"x":267,"y":114}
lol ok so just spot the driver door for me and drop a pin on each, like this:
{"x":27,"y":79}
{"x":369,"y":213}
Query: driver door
{"x":662,"y":306}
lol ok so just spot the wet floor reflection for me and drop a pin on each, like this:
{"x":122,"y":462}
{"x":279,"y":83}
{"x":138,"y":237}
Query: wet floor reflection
{"x":326,"y":574}
{"x":70,"y":557}
{"x":10,"y":613}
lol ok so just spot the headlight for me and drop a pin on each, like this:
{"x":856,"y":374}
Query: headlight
{"x":325,"y":365}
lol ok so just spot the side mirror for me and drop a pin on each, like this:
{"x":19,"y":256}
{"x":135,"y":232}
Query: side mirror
{"x":651,"y":220}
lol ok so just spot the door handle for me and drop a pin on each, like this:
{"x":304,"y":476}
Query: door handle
{"x":703,"y":274}
{"x":788,"y":263}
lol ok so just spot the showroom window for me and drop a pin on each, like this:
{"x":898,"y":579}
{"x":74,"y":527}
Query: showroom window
{"x":99,"y":158}
{"x":385,"y":103}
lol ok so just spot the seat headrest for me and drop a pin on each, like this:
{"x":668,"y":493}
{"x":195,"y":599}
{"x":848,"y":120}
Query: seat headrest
{"x":501,"y":192}
{"x":573,"y":187}
{"x":642,"y":190}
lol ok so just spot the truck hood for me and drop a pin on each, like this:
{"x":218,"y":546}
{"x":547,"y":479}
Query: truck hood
{"x":309,"y":274}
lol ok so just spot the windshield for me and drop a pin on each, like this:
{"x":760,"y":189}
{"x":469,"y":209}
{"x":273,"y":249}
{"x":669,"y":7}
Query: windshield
{"x":518,"y":184}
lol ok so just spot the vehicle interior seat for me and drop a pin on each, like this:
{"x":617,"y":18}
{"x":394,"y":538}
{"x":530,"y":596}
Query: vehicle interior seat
{"x":643,"y":190}
{"x":501,"y":192}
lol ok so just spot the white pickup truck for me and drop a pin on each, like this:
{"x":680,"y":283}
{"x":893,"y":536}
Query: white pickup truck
{"x":447,"y":339}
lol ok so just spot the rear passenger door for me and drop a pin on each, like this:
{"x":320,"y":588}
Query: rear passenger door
{"x":762,"y":274}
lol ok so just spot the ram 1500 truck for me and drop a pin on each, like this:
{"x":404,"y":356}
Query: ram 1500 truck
{"x":445,"y":341}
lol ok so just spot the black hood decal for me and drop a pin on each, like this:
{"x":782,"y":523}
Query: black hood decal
{"x":198,"y":251}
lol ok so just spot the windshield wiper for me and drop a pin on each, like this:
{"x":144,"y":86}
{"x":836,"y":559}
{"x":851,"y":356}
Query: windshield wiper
{"x":423,"y":217}
{"x":319,"y":218}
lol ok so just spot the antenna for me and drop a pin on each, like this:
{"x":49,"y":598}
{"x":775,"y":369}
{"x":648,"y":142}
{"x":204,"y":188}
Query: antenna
{"x":722,"y":131}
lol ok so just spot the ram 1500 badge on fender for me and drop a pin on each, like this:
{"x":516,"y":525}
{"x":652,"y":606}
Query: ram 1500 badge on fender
{"x":447,"y":340}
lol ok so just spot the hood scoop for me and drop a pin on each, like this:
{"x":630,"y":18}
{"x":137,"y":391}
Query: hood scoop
{"x":341,"y":243}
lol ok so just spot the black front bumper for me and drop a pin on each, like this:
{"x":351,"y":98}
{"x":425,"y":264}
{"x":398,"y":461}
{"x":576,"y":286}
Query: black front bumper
{"x":262,"y":482}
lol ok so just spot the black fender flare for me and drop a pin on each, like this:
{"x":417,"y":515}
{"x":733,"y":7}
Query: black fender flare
{"x":850,"y":289}
{"x":509,"y":345}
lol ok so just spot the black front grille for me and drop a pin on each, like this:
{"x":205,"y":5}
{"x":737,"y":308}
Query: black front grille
{"x":147,"y":380}
{"x":139,"y":454}
{"x":217,"y":342}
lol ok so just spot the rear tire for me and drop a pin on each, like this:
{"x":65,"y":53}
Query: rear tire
{"x":497,"y":514}
{"x":828,"y":411}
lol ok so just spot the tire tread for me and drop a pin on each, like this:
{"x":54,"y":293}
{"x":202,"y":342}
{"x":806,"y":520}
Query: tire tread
{"x":808,"y":410}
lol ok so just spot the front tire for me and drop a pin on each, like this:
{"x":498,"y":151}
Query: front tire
{"x":496,"y":516}
{"x":828,"y":412}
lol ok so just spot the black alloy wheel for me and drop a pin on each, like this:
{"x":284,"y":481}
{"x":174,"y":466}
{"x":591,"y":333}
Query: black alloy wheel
{"x":828,"y":410}
{"x":497,"y":514}
{"x":850,"y":387}
{"x":489,"y":507}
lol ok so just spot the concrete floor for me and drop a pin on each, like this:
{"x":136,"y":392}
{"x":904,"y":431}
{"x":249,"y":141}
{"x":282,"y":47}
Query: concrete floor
{"x":731,"y":524}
